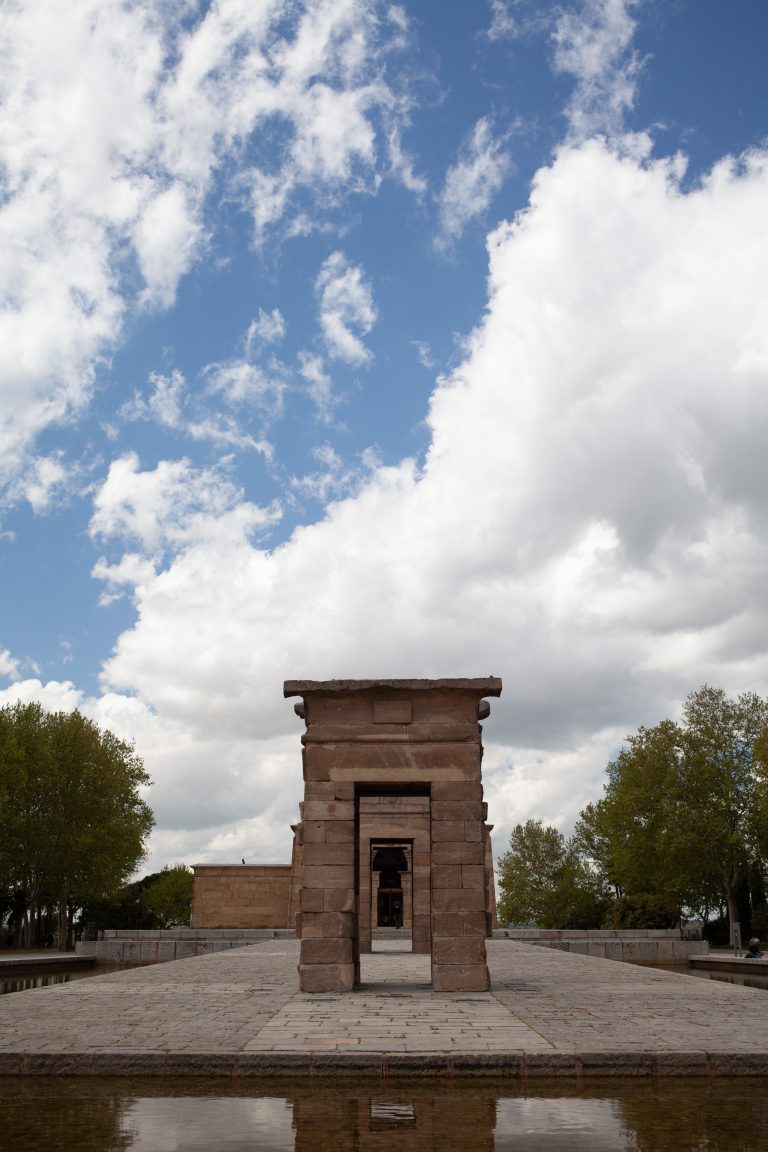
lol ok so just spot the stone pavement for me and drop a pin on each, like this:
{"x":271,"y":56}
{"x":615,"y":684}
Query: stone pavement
{"x":240,"y":1012}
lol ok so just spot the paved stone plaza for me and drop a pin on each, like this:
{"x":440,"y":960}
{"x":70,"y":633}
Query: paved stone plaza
{"x":241,"y":1012}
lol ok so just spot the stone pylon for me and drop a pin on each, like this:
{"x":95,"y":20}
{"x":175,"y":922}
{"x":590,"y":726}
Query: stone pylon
{"x":368,"y":738}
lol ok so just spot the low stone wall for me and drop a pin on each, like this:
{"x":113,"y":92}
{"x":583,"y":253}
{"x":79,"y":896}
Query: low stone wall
{"x":633,"y":946}
{"x":153,"y":947}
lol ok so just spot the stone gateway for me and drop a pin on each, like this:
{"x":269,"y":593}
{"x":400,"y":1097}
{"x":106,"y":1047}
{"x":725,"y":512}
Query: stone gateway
{"x":393,"y":828}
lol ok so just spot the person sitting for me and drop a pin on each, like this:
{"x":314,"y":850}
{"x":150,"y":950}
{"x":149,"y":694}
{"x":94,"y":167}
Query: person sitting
{"x":754,"y":952}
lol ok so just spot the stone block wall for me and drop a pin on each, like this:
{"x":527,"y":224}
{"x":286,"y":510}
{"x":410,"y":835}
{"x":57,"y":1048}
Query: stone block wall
{"x":157,"y":946}
{"x":632,"y":946}
{"x":242,"y":896}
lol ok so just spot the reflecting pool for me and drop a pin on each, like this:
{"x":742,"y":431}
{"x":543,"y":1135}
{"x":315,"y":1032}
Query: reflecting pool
{"x":103,"y":1115}
{"x":23,"y":981}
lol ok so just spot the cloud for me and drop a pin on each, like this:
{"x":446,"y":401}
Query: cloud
{"x":346,"y":309}
{"x":335,"y":478}
{"x":266,"y":328}
{"x":167,"y":239}
{"x":44,"y":481}
{"x":588,"y":523}
{"x":402,"y":164}
{"x":424,"y":354}
{"x":125,"y":125}
{"x":54,"y":696}
{"x":244,"y":384}
{"x":9,"y":666}
{"x":172,"y":506}
{"x":504,"y":22}
{"x":472,"y":182}
{"x":239,"y":383}
{"x":593,"y":46}
{"x":319,"y":384}
{"x":163,"y":403}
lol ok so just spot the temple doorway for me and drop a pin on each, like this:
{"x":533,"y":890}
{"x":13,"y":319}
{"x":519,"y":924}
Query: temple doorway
{"x":391,"y":862}
{"x":389,"y":908}
{"x":393,"y":869}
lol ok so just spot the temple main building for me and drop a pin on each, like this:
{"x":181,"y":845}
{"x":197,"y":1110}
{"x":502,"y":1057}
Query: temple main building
{"x":392,"y":833}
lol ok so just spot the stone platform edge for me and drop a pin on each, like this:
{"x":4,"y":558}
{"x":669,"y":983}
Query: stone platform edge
{"x":630,"y":946}
{"x":390,"y":1065}
{"x":638,"y":946}
{"x":154,"y":946}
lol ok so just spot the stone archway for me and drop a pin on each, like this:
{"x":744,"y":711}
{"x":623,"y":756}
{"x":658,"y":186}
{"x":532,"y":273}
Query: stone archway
{"x":392,"y":738}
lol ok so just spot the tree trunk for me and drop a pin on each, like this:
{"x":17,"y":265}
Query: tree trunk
{"x":730,"y":898}
{"x":63,"y":921}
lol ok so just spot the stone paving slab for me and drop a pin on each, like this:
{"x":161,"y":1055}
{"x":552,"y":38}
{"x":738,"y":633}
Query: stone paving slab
{"x":239,"y":1012}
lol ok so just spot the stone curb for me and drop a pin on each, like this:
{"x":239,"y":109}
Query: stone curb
{"x":512,"y":1065}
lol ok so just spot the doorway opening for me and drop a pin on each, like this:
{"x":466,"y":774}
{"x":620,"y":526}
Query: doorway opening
{"x":393,"y":878}
{"x":391,"y":887}
{"x":389,"y":909}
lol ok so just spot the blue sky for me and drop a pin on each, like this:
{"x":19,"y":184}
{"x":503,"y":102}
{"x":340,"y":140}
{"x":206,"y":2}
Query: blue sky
{"x":365,"y":339}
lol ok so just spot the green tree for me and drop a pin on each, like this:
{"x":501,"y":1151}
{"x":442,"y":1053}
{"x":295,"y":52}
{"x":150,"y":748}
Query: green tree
{"x":633,"y":834}
{"x":682,"y":818}
{"x":71,"y":809}
{"x":722,"y":788}
{"x":168,"y":898}
{"x":26,"y":806}
{"x":543,"y":881}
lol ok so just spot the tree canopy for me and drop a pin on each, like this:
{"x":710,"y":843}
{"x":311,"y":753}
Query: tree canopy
{"x":682,"y":826}
{"x":543,"y":881}
{"x":169,"y":898}
{"x":73,"y":818}
{"x":158,"y":900}
{"x":683,"y":814}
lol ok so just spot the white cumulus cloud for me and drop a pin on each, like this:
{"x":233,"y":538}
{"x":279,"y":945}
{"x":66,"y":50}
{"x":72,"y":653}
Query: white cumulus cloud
{"x":172,"y":506}
{"x":589,"y":522}
{"x":123,"y":125}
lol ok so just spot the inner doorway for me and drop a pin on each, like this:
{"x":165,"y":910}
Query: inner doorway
{"x":390,"y":961}
{"x":393,"y":868}
{"x":389,"y":908}
{"x":391,"y":862}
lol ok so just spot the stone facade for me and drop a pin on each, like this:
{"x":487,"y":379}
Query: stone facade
{"x":242,"y":896}
{"x":418,"y":741}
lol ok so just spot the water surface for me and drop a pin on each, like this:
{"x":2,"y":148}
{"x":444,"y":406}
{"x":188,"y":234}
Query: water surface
{"x":300,"y":1115}
{"x":34,"y":978}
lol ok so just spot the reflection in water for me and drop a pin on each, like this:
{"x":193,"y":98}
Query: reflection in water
{"x":234,"y":1125}
{"x":26,"y":980}
{"x":579,"y":1124}
{"x":103,"y":1115}
{"x":745,"y":979}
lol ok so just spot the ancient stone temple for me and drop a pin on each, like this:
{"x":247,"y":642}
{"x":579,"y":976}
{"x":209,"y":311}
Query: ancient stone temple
{"x":393,"y":828}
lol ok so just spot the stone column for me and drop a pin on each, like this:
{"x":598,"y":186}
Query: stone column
{"x":421,"y":927}
{"x":458,"y":887}
{"x":490,"y":883}
{"x":328,"y":885}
